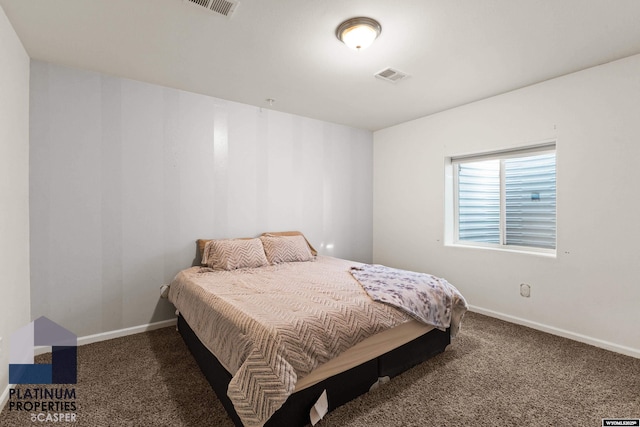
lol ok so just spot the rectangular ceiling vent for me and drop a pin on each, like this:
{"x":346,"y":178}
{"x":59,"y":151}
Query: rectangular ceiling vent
{"x":391,"y":75}
{"x":222,"y":7}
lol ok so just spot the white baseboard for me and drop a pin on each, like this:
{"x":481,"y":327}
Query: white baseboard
{"x":104,"y":336}
{"x":628,"y":351}
{"x":4,"y":397}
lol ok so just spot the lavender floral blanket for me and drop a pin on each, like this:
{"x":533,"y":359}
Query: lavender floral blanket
{"x":429,"y":299}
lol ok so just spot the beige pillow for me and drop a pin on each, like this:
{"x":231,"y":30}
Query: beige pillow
{"x":279,"y":249}
{"x":292,"y":233}
{"x":232,"y":254}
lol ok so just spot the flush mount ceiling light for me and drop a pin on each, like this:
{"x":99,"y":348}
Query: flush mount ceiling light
{"x":358,"y":33}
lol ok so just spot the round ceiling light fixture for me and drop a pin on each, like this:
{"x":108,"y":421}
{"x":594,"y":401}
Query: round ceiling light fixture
{"x":358,"y":33}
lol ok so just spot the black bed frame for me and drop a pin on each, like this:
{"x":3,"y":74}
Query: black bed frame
{"x":341,"y":388}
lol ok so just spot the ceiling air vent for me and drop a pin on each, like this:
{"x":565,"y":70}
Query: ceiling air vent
{"x":223,"y":7}
{"x":391,"y":75}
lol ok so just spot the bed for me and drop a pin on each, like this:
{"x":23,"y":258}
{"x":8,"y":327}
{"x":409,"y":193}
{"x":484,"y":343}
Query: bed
{"x":284,"y":335}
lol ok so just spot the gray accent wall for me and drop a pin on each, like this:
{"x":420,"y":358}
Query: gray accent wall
{"x":125,"y":176}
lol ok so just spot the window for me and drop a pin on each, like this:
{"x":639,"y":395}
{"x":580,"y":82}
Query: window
{"x":506,"y":199}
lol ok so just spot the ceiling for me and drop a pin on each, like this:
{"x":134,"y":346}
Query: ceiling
{"x":455,"y":51}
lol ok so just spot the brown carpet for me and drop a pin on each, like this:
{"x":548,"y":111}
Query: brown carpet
{"x":494,"y":374}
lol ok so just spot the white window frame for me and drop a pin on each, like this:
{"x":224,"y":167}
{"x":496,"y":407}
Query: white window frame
{"x":452,"y":206}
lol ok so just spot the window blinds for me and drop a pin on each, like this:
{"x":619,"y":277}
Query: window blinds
{"x":530,"y":184}
{"x":508,"y":201}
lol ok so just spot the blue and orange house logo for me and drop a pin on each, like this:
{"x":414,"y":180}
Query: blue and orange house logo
{"x":64,"y":354}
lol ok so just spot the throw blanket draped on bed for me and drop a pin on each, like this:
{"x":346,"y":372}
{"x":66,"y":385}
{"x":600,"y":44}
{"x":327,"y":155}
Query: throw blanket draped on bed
{"x":429,"y":299}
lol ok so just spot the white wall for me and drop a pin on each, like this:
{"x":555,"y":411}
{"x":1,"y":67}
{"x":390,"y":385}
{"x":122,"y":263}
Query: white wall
{"x":14,"y":190}
{"x":591,"y":291}
{"x":125,"y":176}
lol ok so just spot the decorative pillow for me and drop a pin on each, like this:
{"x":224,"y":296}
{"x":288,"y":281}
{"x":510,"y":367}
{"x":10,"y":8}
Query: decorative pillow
{"x":279,"y":249}
{"x":292,"y":233}
{"x":232,"y":254}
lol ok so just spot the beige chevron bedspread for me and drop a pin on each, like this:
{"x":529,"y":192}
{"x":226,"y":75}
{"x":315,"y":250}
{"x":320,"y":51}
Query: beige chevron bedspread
{"x":270,"y":326}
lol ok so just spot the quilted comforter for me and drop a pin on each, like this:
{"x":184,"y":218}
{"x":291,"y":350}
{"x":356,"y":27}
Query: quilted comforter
{"x":270,"y":326}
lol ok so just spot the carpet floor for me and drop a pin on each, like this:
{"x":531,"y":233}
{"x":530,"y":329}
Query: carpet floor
{"x":493,"y":374}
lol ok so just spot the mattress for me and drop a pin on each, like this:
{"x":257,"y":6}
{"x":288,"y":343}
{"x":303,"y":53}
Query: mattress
{"x":370,"y":348}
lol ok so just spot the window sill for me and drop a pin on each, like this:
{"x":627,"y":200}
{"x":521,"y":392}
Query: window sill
{"x":545,"y":253}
